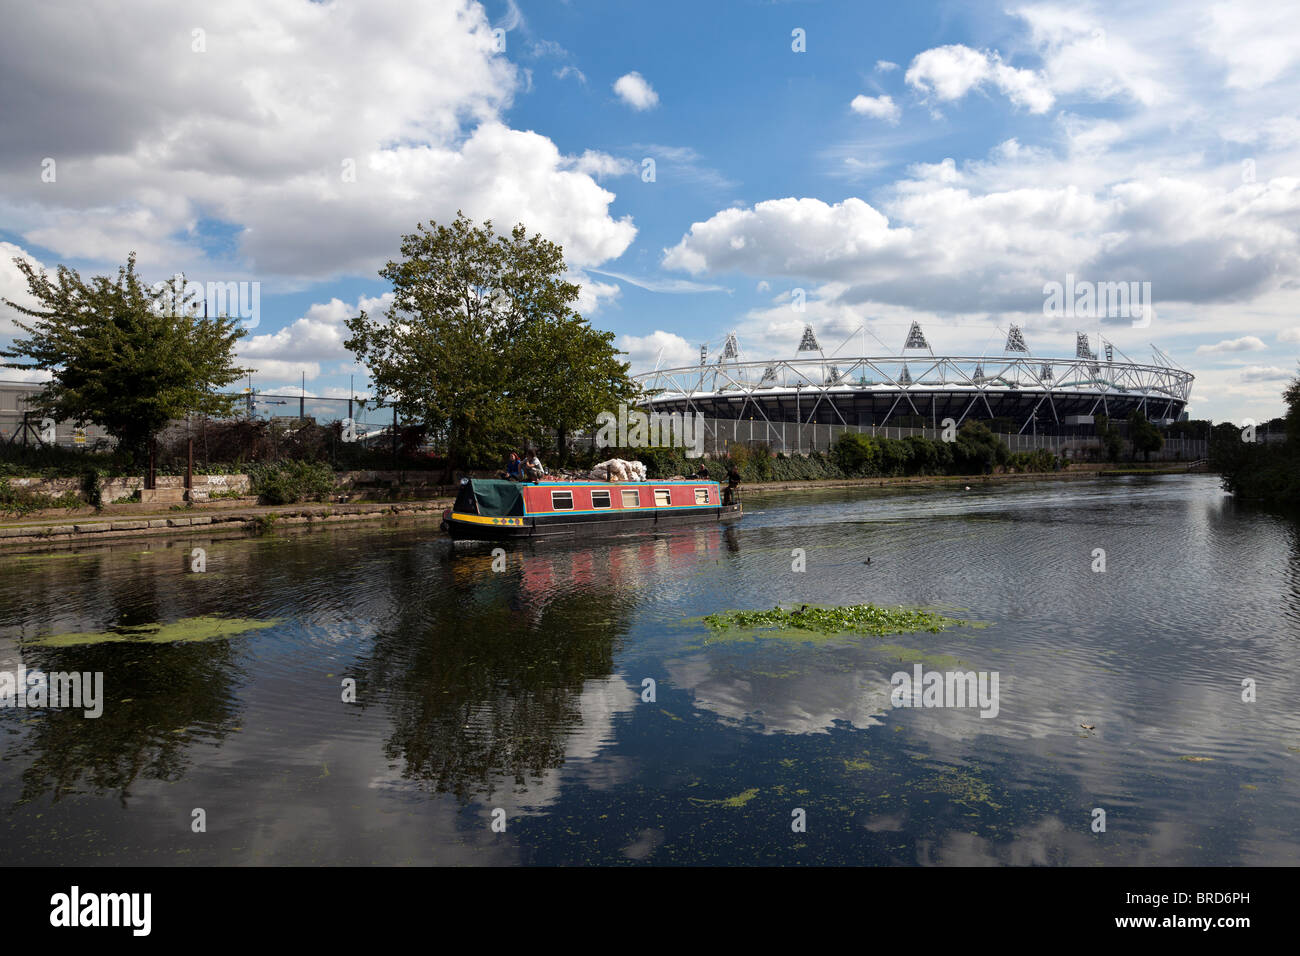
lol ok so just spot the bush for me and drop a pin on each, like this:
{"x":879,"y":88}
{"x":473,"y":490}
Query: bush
{"x":287,"y":482}
{"x":857,"y":454}
{"x":978,"y":450}
{"x":21,"y":501}
{"x":1040,"y":459}
{"x":46,"y":461}
{"x":754,"y":462}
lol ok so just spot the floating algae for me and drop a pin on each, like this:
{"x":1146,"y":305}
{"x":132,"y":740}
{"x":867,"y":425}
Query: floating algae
{"x":739,"y":800}
{"x":807,"y":623}
{"x":185,"y":631}
{"x":908,"y":655}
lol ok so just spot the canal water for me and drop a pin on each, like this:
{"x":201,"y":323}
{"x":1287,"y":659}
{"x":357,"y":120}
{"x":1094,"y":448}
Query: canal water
{"x":379,"y":696}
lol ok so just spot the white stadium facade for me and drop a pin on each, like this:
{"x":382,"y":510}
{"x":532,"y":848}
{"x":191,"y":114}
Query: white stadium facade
{"x":1020,"y":391}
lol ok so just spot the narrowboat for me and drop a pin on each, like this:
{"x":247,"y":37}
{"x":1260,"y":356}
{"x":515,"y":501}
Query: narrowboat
{"x":495,"y":510}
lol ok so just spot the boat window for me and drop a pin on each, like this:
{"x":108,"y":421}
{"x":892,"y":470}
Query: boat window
{"x":600,"y":499}
{"x":631,"y":498}
{"x":701,"y":496}
{"x":562,"y":500}
{"x":662,"y":497}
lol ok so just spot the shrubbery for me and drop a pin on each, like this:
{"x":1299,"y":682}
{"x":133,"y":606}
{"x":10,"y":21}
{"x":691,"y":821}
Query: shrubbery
{"x":21,"y":501}
{"x":288,"y":482}
{"x":853,"y":455}
{"x":1267,"y":473}
{"x":976,"y":451}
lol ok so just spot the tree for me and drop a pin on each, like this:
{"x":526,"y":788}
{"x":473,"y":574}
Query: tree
{"x":978,"y":450}
{"x":1110,"y":438}
{"x":122,"y":355}
{"x":1268,"y":472}
{"x":1292,"y":398}
{"x":1146,"y":437}
{"x":482,"y":342}
{"x":583,"y":375}
{"x":856,"y":453}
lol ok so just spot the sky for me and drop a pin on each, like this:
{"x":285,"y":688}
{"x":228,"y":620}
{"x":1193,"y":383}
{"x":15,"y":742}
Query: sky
{"x":709,"y":168}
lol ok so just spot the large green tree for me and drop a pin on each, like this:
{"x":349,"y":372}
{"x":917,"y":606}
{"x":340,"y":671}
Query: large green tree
{"x":1292,"y":398}
{"x":482,"y":342}
{"x":1145,"y":437}
{"x":122,"y":355}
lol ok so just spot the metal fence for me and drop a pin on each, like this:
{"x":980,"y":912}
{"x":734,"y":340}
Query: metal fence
{"x":373,"y":422}
{"x":795,"y":439}
{"x":374,"y":425}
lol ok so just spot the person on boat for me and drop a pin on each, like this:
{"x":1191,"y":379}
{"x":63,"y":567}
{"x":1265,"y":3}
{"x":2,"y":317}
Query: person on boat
{"x":534,"y":470}
{"x":514,"y":468}
{"x":733,"y":484}
{"x":702,"y":472}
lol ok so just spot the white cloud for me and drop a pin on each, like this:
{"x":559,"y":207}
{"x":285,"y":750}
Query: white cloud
{"x":309,"y":343}
{"x":1265,"y":373}
{"x":13,"y":286}
{"x":312,"y":131}
{"x":1289,"y":335}
{"x":514,"y":17}
{"x":1087,"y":56}
{"x":599,"y":165}
{"x":1256,"y":44}
{"x":633,"y":89}
{"x":1247,"y":343}
{"x":668,"y":285}
{"x":566,"y":71}
{"x":592,"y":295}
{"x":939,"y":241}
{"x":683,"y":164}
{"x":877,"y":107}
{"x":885,"y":66}
{"x":667,"y":349}
{"x":785,"y":237}
{"x":949,"y":72}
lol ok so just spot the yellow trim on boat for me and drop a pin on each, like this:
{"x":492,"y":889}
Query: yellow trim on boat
{"x":484,"y":519}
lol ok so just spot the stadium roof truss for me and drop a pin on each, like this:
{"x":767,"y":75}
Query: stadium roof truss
{"x":1160,"y":390}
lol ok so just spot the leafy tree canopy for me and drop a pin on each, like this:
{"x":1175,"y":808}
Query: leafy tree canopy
{"x":1146,"y":437}
{"x":482,"y":342}
{"x":122,"y":355}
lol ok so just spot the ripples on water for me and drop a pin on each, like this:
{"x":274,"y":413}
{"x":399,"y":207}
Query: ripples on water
{"x":523,"y":690}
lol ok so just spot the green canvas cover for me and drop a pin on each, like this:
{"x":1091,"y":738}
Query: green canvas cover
{"x":498,"y":499}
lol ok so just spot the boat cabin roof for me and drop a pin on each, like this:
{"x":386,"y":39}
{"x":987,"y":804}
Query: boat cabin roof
{"x":501,"y":498}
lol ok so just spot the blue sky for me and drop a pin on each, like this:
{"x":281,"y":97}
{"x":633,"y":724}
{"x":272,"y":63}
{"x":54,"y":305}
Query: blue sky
{"x":914,"y":162}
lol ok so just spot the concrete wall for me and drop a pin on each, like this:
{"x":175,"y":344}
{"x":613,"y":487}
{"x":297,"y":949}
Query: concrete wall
{"x":170,"y":487}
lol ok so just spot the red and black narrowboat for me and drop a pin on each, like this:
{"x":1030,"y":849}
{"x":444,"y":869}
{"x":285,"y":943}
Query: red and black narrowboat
{"x":495,"y":510}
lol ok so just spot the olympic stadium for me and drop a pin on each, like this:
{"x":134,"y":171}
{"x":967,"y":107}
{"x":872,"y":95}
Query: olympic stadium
{"x":1020,"y":391}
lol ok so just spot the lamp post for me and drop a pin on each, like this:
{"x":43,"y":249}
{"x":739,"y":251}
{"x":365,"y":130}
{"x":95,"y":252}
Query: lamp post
{"x":798,"y":415}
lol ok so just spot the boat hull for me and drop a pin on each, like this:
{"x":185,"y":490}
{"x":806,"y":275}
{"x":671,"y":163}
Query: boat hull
{"x":463,"y":527}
